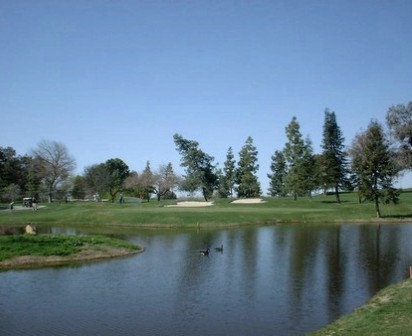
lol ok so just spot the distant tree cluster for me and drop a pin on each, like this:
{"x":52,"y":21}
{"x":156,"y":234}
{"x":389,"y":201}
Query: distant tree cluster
{"x":161,"y":183}
{"x":45,"y":172}
{"x":202,"y":174}
{"x":369,"y":166}
{"x":297,"y":171}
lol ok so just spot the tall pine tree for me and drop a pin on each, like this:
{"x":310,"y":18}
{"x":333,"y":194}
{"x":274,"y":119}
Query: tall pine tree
{"x":308,"y":168}
{"x":294,"y":154}
{"x":248,"y":184}
{"x":228,"y":176}
{"x":333,"y":169}
{"x":278,"y":176}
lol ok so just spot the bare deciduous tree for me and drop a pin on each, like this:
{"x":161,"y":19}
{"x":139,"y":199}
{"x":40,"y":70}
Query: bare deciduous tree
{"x":399,"y":122}
{"x":54,"y":163}
{"x":165,"y":181}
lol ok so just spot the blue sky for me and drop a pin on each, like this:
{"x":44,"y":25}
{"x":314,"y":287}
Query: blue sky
{"x":116,"y":79}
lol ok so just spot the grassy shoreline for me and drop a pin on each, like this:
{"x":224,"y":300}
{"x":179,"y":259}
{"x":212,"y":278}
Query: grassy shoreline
{"x":28,"y":251}
{"x":388,"y":313}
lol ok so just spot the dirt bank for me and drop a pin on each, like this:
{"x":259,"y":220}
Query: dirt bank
{"x":88,"y":254}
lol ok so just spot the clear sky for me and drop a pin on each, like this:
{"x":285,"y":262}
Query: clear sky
{"x":116,"y":79}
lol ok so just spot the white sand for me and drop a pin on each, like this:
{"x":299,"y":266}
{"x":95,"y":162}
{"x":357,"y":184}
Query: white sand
{"x":191,"y":204}
{"x":249,"y":201}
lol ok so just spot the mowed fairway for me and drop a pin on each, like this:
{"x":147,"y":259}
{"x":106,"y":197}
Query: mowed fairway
{"x":318,"y":209}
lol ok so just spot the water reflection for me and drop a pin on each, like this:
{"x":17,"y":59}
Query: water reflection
{"x":283,"y":279}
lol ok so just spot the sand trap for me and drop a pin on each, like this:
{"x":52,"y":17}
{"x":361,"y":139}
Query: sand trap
{"x":190,"y":204}
{"x":249,"y":201}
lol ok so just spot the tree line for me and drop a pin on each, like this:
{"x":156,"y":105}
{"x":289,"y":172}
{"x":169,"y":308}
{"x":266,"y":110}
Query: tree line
{"x":369,"y":165}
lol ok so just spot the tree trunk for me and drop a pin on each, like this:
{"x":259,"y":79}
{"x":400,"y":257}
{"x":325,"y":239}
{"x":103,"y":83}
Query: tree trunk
{"x":50,"y":195}
{"x":204,"y":194}
{"x":337,"y":194}
{"x":112,"y":195}
{"x":377,"y":209}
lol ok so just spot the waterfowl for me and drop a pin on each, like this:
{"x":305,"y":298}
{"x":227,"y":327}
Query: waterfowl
{"x":205,"y":252}
{"x":219,"y":249}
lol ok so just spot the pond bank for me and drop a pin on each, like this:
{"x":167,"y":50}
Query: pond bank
{"x":386,"y":313}
{"x":23,"y":251}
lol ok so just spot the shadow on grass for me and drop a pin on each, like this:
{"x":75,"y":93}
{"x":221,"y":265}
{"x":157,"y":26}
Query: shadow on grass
{"x":334,"y":202}
{"x":407,"y":216}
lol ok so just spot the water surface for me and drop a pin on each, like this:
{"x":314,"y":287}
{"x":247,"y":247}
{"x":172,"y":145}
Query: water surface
{"x":271,"y":280}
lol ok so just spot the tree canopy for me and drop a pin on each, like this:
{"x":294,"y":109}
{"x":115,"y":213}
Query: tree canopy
{"x":200,"y":171}
{"x":227,"y":177}
{"x":54,"y":164}
{"x":296,"y":170}
{"x":333,"y":167}
{"x":399,"y":121}
{"x":278,"y":175}
{"x":373,"y":164}
{"x":248,"y":183}
{"x":165,"y":181}
{"x":107,"y":177}
{"x":294,"y":152}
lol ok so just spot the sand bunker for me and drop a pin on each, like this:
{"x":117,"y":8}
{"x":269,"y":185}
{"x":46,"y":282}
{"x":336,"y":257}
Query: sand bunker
{"x":249,"y":201}
{"x":191,"y":204}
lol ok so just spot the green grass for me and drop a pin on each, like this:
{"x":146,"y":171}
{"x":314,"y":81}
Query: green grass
{"x":388,"y":313}
{"x":319,"y":209}
{"x":53,"y":245}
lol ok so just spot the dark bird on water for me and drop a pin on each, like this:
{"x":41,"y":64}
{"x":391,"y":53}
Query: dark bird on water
{"x":205,"y":252}
{"x":219,"y":249}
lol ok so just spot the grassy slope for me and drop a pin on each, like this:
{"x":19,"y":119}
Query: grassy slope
{"x":388,"y":313}
{"x":54,"y":245}
{"x":26,"y":251}
{"x":318,"y":209}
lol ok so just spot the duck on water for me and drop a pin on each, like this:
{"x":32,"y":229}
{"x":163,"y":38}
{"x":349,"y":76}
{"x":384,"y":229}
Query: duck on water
{"x":205,"y":252}
{"x":219,"y":249}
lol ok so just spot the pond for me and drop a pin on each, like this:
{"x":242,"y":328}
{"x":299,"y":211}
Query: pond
{"x":269,"y":280}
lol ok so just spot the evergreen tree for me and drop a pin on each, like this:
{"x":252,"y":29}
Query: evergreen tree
{"x":33,"y":183}
{"x":200,"y":172}
{"x":228,"y":175}
{"x":308,"y":168}
{"x":9,"y":166}
{"x":147,"y":182}
{"x":333,"y":169}
{"x":294,"y":154}
{"x":248,"y":184}
{"x":372,"y":162}
{"x":14,"y":170}
{"x":278,"y":176}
